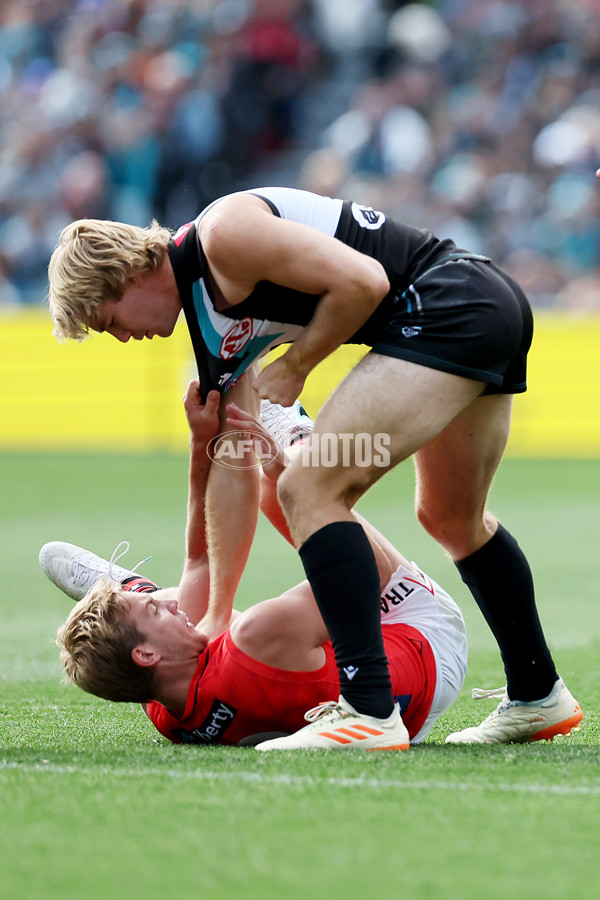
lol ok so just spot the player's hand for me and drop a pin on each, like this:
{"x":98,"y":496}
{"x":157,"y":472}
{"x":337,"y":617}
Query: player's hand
{"x":211,"y":627}
{"x":203,"y":418}
{"x":279,"y":383}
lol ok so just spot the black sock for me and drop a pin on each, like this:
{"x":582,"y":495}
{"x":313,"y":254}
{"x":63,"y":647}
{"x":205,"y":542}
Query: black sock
{"x":499,"y":577}
{"x":341,"y":568}
{"x":139,"y":585}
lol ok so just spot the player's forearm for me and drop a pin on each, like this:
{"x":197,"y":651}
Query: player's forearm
{"x":196,"y":543}
{"x":339,"y":315}
{"x":203,"y":421}
{"x":231,"y":509}
{"x":231,"y":512}
{"x":194,"y":589}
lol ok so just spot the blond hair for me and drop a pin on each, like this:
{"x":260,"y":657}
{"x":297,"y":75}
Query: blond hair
{"x":92,"y":264}
{"x":96,"y":643}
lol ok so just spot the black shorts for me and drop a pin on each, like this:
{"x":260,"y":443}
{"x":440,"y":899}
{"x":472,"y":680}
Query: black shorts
{"x":467,"y":317}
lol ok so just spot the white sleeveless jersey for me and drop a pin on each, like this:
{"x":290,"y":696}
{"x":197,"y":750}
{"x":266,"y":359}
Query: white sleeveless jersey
{"x":226,"y":342}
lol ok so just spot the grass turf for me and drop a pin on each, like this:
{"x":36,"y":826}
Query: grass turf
{"x":97,"y":804}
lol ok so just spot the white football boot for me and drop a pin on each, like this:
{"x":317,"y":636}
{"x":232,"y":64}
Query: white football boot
{"x":75,"y":570}
{"x":287,"y":424}
{"x":335,"y":725}
{"x":516,"y":722}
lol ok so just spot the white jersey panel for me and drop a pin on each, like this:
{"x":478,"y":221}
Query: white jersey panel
{"x":322,"y":213}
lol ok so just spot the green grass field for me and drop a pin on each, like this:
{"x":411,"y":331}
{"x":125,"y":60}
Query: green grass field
{"x":95,"y":804}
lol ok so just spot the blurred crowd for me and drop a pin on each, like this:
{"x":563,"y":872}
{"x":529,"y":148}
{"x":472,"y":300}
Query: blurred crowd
{"x":129,"y":109}
{"x":479,"y":119}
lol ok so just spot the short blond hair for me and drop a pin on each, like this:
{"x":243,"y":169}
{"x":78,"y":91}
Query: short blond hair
{"x":96,"y":643}
{"x":92,"y":264}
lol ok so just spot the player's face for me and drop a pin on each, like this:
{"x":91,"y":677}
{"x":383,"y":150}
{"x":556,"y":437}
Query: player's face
{"x":146,"y":309}
{"x":164,"y":626}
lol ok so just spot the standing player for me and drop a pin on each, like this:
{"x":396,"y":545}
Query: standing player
{"x":273,"y":661}
{"x":450,"y":334}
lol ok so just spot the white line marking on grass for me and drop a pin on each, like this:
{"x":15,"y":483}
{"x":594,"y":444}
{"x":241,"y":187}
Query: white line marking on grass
{"x":584,"y":790}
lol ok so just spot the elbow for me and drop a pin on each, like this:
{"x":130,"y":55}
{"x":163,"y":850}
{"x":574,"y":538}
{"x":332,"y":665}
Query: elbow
{"x":371,"y":284}
{"x":379,"y":282}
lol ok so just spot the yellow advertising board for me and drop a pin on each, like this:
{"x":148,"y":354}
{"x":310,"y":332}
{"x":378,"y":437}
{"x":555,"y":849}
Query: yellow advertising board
{"x":103,"y":395}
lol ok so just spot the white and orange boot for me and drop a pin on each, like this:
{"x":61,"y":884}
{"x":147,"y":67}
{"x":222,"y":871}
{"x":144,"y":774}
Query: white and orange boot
{"x":335,"y":725}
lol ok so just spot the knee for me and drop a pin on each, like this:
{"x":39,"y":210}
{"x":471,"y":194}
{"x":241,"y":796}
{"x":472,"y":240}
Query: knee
{"x":447,"y":528}
{"x":459,"y":531}
{"x":438,"y":523}
{"x":300,"y":487}
{"x":426,"y":518}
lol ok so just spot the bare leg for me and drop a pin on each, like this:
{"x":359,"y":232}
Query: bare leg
{"x":409,"y":405}
{"x":454,"y":475}
{"x":455,"y":472}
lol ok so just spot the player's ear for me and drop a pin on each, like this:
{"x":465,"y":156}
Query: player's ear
{"x":145,"y":655}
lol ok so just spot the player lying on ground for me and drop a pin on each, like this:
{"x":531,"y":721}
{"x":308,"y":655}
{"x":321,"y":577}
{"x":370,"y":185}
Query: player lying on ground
{"x":278,"y":648}
{"x":274,"y":661}
{"x":449,"y":333}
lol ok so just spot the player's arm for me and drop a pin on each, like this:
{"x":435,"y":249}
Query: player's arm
{"x":288,"y":631}
{"x":245,"y":243}
{"x":232,"y":499}
{"x":203,"y":420}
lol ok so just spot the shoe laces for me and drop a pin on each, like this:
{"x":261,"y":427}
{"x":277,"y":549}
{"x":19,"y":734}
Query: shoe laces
{"x":480,"y":694}
{"x":494,"y":694}
{"x":273,"y":416}
{"x":283,"y":422}
{"x":116,"y":556}
{"x":327,"y":708}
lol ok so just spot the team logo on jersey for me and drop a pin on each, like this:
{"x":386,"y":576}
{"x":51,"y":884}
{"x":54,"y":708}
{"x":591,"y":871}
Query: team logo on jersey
{"x":181,"y":233}
{"x":236,"y":338}
{"x":218,"y":720}
{"x":411,"y":331}
{"x":367,"y":217}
